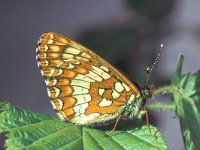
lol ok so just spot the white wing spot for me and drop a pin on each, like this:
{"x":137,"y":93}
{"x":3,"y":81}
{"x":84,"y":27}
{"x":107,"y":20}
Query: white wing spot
{"x":94,"y":76}
{"x":70,"y":66}
{"x":60,"y":72}
{"x":59,"y":64}
{"x":51,"y":71}
{"x":37,"y":49}
{"x":131,"y":99}
{"x":77,"y":63}
{"x":80,"y":90}
{"x":39,"y":41}
{"x":90,"y":116}
{"x":60,"y":116}
{"x":101,"y":91}
{"x":82,"y":98}
{"x":81,"y":58}
{"x":51,"y":36}
{"x":105,"y":102}
{"x":119,"y":87}
{"x":85,"y":78}
{"x":48,"y":92}
{"x":45,"y":48}
{"x":60,"y":103}
{"x":126,"y":87}
{"x":67,"y":56}
{"x":104,"y":68}
{"x":67,"y":60}
{"x":38,"y":64}
{"x":53,"y":105}
{"x":42,"y":72}
{"x":100,"y":72}
{"x":84,"y":118}
{"x":85,"y":55}
{"x":72,"y":50}
{"x":50,"y":41}
{"x":79,"y":109}
{"x":115,"y":94}
{"x":57,"y":91}
{"x":106,"y":76}
{"x":97,"y":70}
{"x":46,"y":62}
{"x":47,"y":81}
{"x":80,"y":83}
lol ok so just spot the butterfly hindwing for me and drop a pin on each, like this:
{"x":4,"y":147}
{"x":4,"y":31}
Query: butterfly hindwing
{"x":84,"y":88}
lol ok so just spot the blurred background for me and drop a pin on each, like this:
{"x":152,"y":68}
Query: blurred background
{"x":127,"y":33}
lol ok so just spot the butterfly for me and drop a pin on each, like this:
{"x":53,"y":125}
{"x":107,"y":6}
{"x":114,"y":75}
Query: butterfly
{"x":85,"y":89}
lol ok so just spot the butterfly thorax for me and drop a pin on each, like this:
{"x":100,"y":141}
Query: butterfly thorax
{"x":132,"y":110}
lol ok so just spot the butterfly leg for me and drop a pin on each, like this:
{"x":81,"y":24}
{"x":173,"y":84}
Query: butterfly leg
{"x":147,"y":120}
{"x":115,"y":126}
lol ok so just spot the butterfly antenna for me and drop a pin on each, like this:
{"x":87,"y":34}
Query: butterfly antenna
{"x":149,"y":70}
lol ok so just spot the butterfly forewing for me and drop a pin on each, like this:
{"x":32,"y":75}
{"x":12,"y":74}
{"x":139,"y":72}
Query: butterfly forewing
{"x":84,"y":88}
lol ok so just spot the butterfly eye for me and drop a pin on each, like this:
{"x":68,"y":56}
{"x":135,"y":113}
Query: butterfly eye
{"x":152,"y":89}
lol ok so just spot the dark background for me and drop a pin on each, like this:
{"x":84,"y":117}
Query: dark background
{"x":127,"y":33}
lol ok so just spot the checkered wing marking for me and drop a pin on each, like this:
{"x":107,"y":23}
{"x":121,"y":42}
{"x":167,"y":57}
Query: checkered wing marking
{"x":85,"y":89}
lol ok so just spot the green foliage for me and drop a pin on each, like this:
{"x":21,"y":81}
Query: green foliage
{"x":186,"y":96}
{"x":30,"y":130}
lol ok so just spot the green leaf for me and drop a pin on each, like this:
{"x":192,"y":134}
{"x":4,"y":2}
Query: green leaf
{"x":30,"y":130}
{"x":186,"y":97}
{"x":177,"y":74}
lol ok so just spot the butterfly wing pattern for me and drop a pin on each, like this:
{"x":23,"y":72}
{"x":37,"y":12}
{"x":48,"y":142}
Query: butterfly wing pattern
{"x":84,"y":88}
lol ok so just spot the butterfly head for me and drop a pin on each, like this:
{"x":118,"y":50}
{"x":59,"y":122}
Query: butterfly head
{"x":146,"y":93}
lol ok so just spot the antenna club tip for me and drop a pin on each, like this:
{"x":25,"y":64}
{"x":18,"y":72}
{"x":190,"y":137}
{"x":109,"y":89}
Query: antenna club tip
{"x":148,"y":70}
{"x":161,"y":45}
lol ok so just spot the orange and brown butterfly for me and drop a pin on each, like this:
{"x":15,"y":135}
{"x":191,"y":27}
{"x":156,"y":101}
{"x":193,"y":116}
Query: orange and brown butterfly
{"x":85,"y":89}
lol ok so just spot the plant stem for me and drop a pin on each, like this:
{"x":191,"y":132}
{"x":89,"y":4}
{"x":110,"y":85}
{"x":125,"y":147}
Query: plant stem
{"x":169,"y":88}
{"x":161,"y":106}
